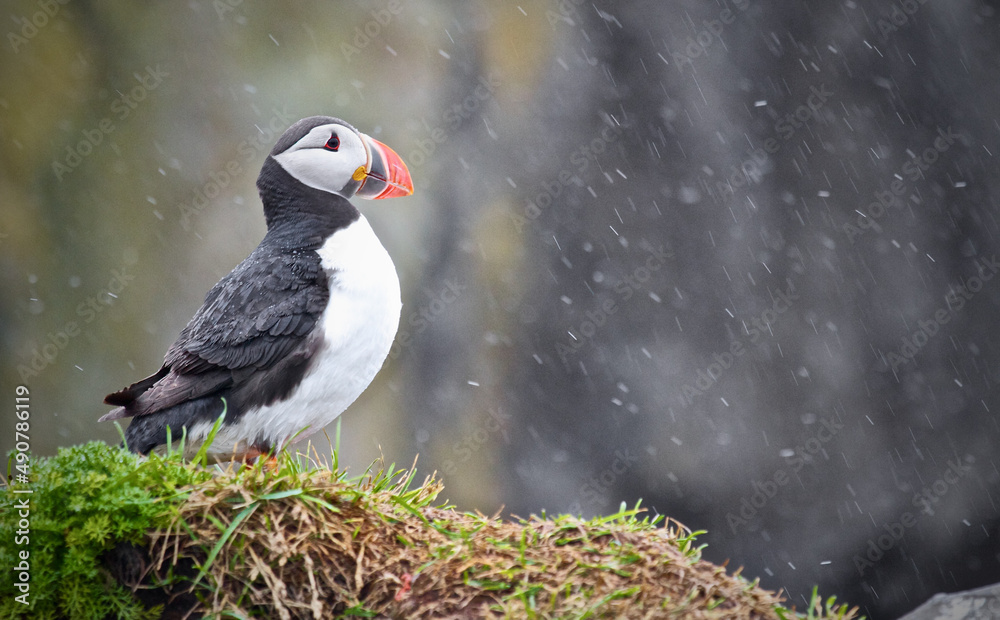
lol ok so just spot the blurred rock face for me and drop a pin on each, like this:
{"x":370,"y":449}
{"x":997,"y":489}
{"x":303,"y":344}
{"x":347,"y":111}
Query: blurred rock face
{"x":733,"y":260}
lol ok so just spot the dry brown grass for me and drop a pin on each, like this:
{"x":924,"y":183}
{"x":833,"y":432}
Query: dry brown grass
{"x":305,"y":543}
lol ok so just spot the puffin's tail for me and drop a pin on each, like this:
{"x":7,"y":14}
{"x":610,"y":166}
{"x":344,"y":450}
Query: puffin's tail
{"x":146,"y":432}
{"x":125,"y":396}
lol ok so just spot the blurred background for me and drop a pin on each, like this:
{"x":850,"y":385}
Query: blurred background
{"x":734,"y":259}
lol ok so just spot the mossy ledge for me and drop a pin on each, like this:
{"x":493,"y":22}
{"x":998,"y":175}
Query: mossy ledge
{"x":116,"y":536}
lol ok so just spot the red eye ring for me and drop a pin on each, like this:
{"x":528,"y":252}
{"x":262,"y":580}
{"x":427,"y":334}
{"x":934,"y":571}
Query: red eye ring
{"x":333,"y":143}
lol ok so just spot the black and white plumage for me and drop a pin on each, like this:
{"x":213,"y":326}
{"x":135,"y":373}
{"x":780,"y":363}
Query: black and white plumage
{"x":296,"y":332}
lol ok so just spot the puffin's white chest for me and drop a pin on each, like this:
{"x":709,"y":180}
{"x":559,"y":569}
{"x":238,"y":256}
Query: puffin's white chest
{"x":359,"y":325}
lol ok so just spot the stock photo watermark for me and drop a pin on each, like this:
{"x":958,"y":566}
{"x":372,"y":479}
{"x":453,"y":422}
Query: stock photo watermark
{"x":580,"y":158}
{"x":594,"y":491}
{"x":18,"y":482}
{"x":247,"y":152}
{"x":707,"y":377}
{"x":625,"y":288}
{"x":31,"y":26}
{"x":913,"y":170}
{"x":121,"y":108}
{"x":87,"y":310}
{"x":566,"y":11}
{"x":364,"y":35}
{"x":698,"y":45}
{"x":763,"y":492}
{"x":497,"y":422}
{"x":225,"y":6}
{"x":419,"y":320}
{"x":955,"y":301}
{"x":928,"y":497}
{"x":897,"y":17}
{"x":454,"y":116}
{"x":750,"y":171}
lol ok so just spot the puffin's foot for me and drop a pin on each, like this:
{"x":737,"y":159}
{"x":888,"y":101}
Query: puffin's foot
{"x":253,"y":455}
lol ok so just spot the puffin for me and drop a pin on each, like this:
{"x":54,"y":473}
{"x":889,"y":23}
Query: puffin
{"x":299,"y":329}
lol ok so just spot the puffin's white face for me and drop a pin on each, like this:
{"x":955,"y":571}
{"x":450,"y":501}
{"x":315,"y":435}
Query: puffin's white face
{"x":334,"y":157}
{"x":328,"y":158}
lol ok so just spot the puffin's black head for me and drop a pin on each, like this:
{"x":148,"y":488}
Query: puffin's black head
{"x":327,"y":154}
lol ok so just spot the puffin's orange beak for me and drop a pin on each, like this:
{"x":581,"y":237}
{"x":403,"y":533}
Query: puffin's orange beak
{"x":386,"y":177}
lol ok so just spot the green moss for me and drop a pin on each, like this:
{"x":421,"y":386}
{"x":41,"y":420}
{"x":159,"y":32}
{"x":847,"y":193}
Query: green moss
{"x":82,"y":503}
{"x":259,"y":541}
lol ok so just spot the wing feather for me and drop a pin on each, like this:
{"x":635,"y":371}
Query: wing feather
{"x":252,"y":319}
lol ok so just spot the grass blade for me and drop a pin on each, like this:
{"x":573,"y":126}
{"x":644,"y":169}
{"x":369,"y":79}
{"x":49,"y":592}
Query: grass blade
{"x":246,"y":512}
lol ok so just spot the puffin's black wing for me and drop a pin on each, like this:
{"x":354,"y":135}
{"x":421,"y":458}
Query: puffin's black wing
{"x":257,"y":318}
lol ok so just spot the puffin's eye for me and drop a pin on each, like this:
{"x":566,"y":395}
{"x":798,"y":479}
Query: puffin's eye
{"x":333,"y":143}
